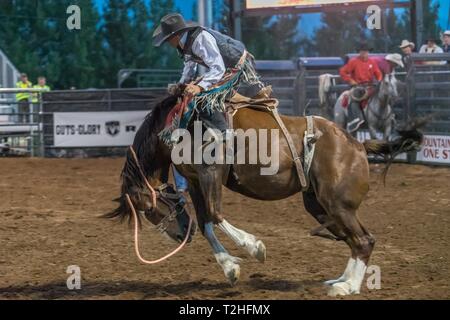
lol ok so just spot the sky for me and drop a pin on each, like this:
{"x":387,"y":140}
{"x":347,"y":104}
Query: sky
{"x":309,"y":22}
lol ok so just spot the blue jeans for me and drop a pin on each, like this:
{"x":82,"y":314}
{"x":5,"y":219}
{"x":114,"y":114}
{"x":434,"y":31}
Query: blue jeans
{"x":180,"y":182}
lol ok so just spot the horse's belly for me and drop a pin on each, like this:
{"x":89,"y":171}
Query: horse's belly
{"x":248,"y":181}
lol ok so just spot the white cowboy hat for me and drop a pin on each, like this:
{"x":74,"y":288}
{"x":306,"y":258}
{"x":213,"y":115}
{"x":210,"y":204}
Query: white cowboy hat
{"x":447,"y":33}
{"x":395,"y":58}
{"x":406,"y":43}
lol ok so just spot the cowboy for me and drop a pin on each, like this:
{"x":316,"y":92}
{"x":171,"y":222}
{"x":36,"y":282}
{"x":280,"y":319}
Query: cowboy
{"x":407,"y":49}
{"x":431,"y":47}
{"x":388,"y":63}
{"x":361,"y":71}
{"x":446,"y":41}
{"x":219,"y":54}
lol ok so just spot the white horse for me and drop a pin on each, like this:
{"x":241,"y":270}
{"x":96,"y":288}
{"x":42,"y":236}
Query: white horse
{"x":378,"y":113}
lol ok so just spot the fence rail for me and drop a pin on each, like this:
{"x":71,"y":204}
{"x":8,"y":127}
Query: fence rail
{"x":424,"y":88}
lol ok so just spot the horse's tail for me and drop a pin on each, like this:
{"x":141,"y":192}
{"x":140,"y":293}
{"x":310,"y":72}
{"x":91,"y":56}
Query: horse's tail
{"x":325,"y":83}
{"x":409,"y":139}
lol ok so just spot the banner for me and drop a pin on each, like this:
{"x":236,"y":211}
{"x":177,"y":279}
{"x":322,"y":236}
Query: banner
{"x":258,"y":4}
{"x":96,"y":129}
{"x":435,"y":149}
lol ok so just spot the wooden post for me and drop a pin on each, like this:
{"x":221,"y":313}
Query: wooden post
{"x":300,"y":92}
{"x":410,"y":105}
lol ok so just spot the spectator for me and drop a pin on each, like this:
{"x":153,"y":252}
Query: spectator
{"x":446,"y":40}
{"x":407,"y":49}
{"x":42,"y":84}
{"x":431,"y":47}
{"x":388,"y":63}
{"x":23,"y":98}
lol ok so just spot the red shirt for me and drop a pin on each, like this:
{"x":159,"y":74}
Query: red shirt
{"x":361,"y":71}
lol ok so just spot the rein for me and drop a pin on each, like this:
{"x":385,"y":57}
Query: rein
{"x":161,"y":225}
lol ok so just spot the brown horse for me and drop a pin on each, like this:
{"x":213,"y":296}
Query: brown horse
{"x":339,"y":182}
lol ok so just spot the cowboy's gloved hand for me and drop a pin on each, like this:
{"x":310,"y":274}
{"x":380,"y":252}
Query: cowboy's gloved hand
{"x":353,"y":83}
{"x":175,"y":89}
{"x":192,"y":89}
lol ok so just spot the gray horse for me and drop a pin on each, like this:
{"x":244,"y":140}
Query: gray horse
{"x":378,"y":114}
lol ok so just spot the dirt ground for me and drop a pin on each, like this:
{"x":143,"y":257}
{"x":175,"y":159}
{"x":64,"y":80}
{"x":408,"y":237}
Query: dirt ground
{"x":50,"y":220}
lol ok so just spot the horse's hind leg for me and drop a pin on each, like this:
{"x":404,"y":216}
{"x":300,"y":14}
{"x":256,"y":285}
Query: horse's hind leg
{"x":319,"y":213}
{"x":361,"y":243}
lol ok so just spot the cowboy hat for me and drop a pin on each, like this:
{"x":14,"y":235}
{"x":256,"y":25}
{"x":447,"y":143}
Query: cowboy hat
{"x":171,"y":25}
{"x":395,"y":58}
{"x":447,"y":33}
{"x":432,"y":38}
{"x":364,"y":46}
{"x":406,"y":43}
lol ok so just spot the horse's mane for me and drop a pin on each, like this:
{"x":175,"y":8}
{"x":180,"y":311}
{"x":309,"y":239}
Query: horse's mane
{"x":145,"y":145}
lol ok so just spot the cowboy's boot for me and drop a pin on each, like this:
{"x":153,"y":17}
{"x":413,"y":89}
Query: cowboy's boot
{"x":355,"y":117}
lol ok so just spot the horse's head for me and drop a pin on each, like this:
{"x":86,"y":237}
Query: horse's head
{"x":148,"y":162}
{"x":388,"y":86}
{"x":166,"y":209}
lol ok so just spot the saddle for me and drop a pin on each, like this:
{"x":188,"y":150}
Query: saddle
{"x":264,"y":101}
{"x":360,"y":94}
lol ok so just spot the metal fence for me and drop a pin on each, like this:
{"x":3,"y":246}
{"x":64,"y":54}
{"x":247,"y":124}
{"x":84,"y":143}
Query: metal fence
{"x":109,"y":100}
{"x":425,"y":89}
{"x":20,"y":130}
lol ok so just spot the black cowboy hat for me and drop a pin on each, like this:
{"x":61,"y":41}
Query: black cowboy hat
{"x":364,"y":46}
{"x":171,"y":25}
{"x":432,"y":38}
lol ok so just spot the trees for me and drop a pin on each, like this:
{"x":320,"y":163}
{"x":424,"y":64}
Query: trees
{"x":34,"y":35}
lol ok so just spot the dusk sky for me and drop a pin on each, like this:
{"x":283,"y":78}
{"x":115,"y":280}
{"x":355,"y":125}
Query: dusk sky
{"x":309,"y":21}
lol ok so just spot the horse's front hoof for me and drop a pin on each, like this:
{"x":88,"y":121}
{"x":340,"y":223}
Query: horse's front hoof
{"x":233,"y":274}
{"x":340,"y":289}
{"x":260,"y":253}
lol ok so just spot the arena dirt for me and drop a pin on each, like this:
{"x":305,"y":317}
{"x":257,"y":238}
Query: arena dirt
{"x":50,"y":220}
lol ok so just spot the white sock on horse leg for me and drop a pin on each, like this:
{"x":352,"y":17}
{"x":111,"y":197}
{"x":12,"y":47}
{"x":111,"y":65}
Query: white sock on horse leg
{"x":240,"y":237}
{"x":357,"y":276}
{"x":347,"y":273}
{"x":254,"y":247}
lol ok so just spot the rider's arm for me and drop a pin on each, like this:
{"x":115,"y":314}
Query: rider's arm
{"x":189,"y":71}
{"x":346,"y":72}
{"x":205,"y":47}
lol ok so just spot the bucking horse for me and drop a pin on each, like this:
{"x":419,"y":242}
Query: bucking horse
{"x":338,"y":183}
